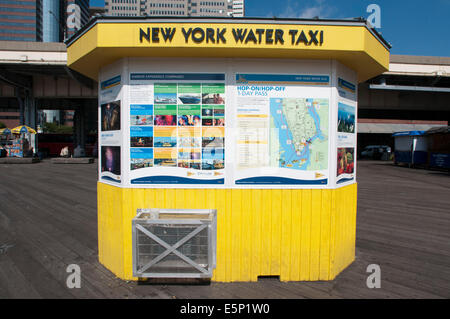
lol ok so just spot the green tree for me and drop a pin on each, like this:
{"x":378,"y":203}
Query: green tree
{"x":55,"y":128}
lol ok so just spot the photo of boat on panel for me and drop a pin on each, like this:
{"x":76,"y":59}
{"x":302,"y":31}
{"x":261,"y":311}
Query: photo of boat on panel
{"x":189,"y":99}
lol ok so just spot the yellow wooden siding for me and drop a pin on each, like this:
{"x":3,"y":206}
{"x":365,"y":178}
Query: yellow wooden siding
{"x":110,"y":229}
{"x":299,"y":235}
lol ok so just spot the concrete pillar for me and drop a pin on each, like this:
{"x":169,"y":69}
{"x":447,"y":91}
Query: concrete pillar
{"x":76,"y":125}
{"x":82,"y":134}
{"x":19,"y":97}
{"x":80,"y":126}
{"x":30,"y":112}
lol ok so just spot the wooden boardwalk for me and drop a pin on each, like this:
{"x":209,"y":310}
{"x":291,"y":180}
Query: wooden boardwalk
{"x":48,"y":220}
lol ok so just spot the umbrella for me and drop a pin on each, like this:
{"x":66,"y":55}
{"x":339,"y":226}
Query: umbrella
{"x":23,"y":129}
{"x":5,"y":131}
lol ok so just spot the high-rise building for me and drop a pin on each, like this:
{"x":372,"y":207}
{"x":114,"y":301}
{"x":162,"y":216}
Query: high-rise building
{"x":21,"y":20}
{"x":193,"y":8}
{"x":51,"y":21}
{"x":76,"y":15}
{"x":168,"y":8}
{"x":41,"y":20}
{"x":238,"y":8}
{"x":124,"y":8}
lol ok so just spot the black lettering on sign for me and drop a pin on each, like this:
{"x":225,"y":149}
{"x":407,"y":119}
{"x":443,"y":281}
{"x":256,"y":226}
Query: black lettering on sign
{"x":144,"y":35}
{"x":155,"y":37}
{"x":293,"y":33}
{"x":279,"y":36}
{"x":168,"y":34}
{"x":251,"y":37}
{"x":239,"y":34}
{"x":153,"y":34}
{"x":210,"y":35}
{"x":220,"y":35}
{"x":302,"y":38}
{"x":269,"y":34}
{"x":313,"y":36}
{"x":196,"y":37}
{"x":186,"y":34}
{"x":260,"y":33}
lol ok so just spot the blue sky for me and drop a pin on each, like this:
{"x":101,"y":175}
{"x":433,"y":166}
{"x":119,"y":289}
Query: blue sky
{"x":413,"y":27}
{"x":97,"y":3}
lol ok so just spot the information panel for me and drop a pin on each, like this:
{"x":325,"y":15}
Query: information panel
{"x":177,"y":128}
{"x":282,"y":129}
{"x":346,"y":130}
{"x":346,"y":142}
{"x":110,"y":133}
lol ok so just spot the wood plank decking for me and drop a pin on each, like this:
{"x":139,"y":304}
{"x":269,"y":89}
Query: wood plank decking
{"x":48,"y":220}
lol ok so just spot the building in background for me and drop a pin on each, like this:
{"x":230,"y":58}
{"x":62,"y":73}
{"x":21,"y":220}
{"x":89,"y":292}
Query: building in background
{"x":21,"y":20}
{"x":58,"y":117}
{"x":238,"y":8}
{"x":27,"y":64}
{"x":41,"y":20}
{"x":180,"y":8}
{"x":96,"y":9}
{"x":77,"y":14}
{"x":51,"y":21}
{"x":125,"y":8}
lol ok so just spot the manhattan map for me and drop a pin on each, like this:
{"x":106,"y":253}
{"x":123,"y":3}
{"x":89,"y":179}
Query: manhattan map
{"x":299,"y":133}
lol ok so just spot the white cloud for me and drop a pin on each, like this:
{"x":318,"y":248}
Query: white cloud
{"x":319,"y":9}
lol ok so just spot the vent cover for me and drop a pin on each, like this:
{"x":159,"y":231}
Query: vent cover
{"x":174,"y":243}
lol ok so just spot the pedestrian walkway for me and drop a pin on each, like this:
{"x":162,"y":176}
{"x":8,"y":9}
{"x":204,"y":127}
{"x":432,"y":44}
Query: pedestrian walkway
{"x":48,"y":220}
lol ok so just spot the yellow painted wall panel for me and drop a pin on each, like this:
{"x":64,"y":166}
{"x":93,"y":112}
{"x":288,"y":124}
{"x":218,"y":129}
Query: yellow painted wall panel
{"x":295,"y":248}
{"x":286,"y":221}
{"x":332,"y":235}
{"x":257,"y":234}
{"x":325,"y":233}
{"x":229,"y":238}
{"x":353,"y":213}
{"x":305,"y":243}
{"x":170,"y":198}
{"x":276,"y":232}
{"x":221,"y":266}
{"x":247,"y":235}
{"x":316,"y":212}
{"x":294,"y":234}
{"x":338,"y":235}
{"x":347,"y":234}
{"x":266,"y":230}
{"x":235,"y":230}
{"x":110,"y":228}
{"x":128,"y":207}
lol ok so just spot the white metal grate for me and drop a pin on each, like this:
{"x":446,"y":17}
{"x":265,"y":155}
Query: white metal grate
{"x":169,"y":243}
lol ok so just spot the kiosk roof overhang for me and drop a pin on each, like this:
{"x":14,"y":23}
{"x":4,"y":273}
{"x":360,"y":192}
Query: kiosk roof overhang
{"x":106,"y":39}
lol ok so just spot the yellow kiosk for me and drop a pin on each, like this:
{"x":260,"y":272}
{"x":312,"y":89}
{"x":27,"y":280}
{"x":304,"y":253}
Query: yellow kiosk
{"x":253,"y":118}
